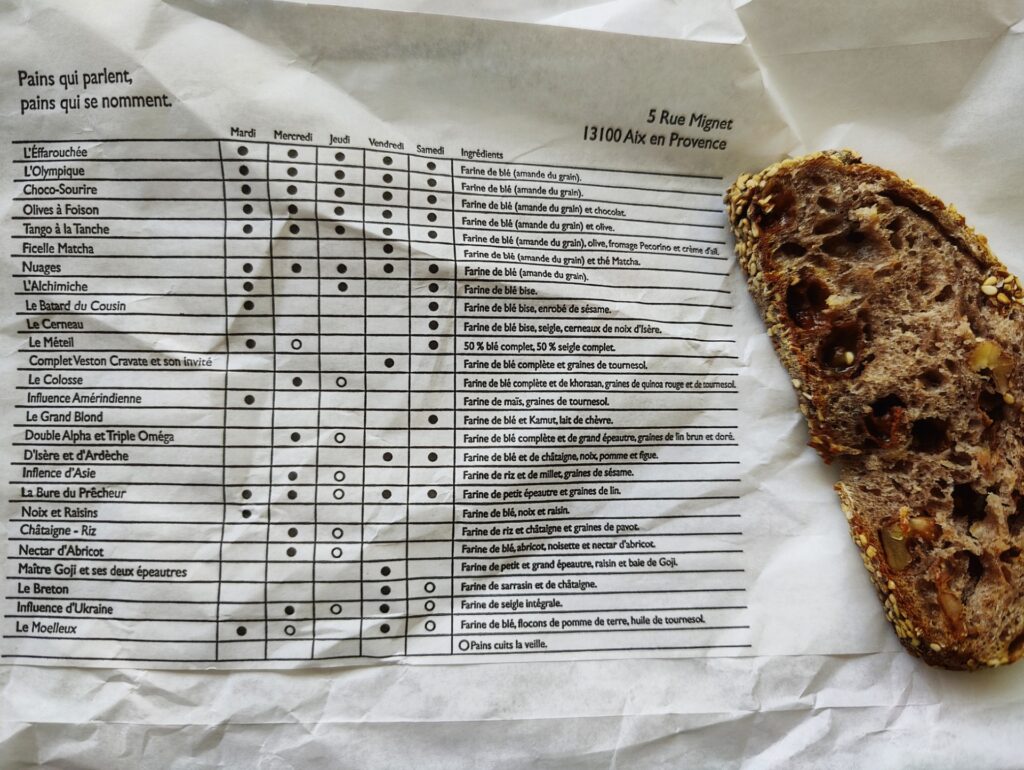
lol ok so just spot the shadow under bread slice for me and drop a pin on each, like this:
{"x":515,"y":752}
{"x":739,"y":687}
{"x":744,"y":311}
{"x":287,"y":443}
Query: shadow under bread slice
{"x":903,"y":336}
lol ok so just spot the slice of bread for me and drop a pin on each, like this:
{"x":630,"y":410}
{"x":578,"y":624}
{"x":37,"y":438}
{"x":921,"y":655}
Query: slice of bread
{"x":904,"y":338}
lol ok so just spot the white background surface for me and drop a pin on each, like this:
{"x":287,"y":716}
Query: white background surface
{"x":934,"y":90}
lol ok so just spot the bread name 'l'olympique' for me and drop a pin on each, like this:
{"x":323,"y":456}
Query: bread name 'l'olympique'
{"x":904,"y":338}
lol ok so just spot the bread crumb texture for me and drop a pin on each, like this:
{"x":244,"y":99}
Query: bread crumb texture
{"x":903,"y":337}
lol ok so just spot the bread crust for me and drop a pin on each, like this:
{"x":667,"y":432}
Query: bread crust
{"x":760,"y":207}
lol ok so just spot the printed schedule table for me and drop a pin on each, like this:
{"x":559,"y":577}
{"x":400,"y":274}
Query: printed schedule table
{"x":292,"y":402}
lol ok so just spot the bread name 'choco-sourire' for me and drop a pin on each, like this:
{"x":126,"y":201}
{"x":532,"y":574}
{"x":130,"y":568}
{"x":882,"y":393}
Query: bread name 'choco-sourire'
{"x":904,"y":337}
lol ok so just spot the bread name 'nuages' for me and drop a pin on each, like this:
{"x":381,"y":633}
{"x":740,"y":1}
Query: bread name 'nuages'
{"x":904,"y":338}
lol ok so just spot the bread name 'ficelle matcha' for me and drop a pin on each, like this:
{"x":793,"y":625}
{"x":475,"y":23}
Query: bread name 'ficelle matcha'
{"x":903,"y":336}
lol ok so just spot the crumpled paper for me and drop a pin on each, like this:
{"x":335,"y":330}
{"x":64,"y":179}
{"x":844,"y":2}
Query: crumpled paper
{"x":935,"y":96}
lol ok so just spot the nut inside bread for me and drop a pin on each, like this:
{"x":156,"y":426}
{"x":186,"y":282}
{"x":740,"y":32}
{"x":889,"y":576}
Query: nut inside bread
{"x":903,"y":336}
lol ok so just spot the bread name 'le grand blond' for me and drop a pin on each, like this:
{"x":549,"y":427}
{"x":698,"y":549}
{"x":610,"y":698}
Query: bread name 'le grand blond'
{"x":903,"y":337}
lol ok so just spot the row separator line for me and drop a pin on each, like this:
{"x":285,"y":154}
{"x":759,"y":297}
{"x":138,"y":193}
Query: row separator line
{"x":349,"y":148}
{"x":387,"y":204}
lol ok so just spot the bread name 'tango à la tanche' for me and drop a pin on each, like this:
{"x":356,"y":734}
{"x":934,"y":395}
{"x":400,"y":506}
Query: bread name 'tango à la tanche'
{"x":904,"y":338}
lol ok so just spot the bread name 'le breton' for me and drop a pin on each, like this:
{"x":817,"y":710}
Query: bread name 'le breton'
{"x":903,"y":337}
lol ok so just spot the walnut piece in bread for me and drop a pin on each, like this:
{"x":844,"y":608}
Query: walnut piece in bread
{"x":904,"y":338}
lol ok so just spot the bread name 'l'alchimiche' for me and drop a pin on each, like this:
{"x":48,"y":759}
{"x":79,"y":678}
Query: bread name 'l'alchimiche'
{"x":904,"y":338}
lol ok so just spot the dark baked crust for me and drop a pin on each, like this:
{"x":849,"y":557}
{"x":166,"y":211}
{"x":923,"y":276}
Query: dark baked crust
{"x":903,"y":336}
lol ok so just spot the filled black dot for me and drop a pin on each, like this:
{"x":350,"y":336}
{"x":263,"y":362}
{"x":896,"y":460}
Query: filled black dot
{"x":431,"y":183}
{"x":431,"y":217}
{"x":293,"y":209}
{"x":289,"y":610}
{"x":243,"y":150}
{"x":388,"y":179}
{"x":432,"y":419}
{"x":387,"y":196}
{"x":433,"y":288}
{"x":296,"y":436}
{"x":243,"y":170}
{"x":292,"y":475}
{"x":293,"y":153}
{"x":389,"y":362}
{"x":387,"y":213}
{"x":342,"y":267}
{"x":248,"y":286}
{"x":339,"y":211}
{"x":433,"y":306}
{"x":246,"y":189}
{"x":296,"y":381}
{"x":433,"y":268}
{"x":292,"y":189}
{"x":247,"y":267}
{"x":431,"y":165}
{"x":432,"y":457}
{"x":247,"y":208}
{"x":339,"y":174}
{"x":388,"y":231}
{"x":246,"y":229}
{"x":342,"y":286}
{"x":387,"y":160}
{"x":388,"y":457}
{"x":246,"y":494}
{"x":292,"y":494}
{"x":246,"y":513}
{"x":339,"y":192}
{"x":432,"y":345}
{"x":385,"y":628}
{"x":386,"y":494}
{"x":386,"y":590}
{"x":250,"y":400}
{"x":240,"y":630}
{"x":250,"y":344}
{"x":385,"y":608}
{"x":339,"y":156}
{"x":339,"y":229}
{"x":292,"y":171}
{"x":431,"y":199}
{"x":432,"y":234}
{"x":296,"y":267}
{"x":433,"y":325}
{"x":248,"y":304}
{"x":291,"y":552}
{"x":389,"y":268}
{"x":385,"y":571}
{"x":294,"y":229}
{"x":388,"y":248}
{"x":432,"y":493}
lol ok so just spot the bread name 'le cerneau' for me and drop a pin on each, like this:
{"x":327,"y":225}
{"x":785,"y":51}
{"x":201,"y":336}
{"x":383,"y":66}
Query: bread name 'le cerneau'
{"x":903,"y":336}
